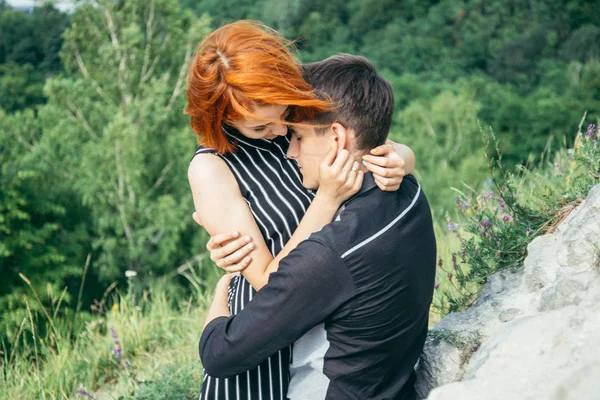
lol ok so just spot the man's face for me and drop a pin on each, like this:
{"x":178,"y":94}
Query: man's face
{"x":309,"y":149}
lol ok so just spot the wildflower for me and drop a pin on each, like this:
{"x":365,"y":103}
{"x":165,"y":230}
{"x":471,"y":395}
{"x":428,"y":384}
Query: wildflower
{"x":452,"y":226}
{"x":117,"y":351}
{"x":486,"y":224}
{"x":491,"y":194}
{"x":82,"y":392}
{"x":436,"y":286}
{"x":440,"y":262}
{"x":528,"y":231}
{"x":502,"y":206}
{"x":130,"y":274}
{"x":464,"y":206}
{"x":454,"y":264}
{"x":506,"y":218}
{"x":449,"y":276}
{"x":590,"y":130}
{"x":458,"y":201}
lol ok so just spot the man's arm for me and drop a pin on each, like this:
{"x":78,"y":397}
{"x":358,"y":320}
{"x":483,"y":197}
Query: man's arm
{"x":311,"y":283}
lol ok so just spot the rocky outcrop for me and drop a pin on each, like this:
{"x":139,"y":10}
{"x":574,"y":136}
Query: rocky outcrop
{"x":533,"y":333}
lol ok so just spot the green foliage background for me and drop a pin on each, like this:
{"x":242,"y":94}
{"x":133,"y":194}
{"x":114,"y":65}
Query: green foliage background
{"x":94,"y":145}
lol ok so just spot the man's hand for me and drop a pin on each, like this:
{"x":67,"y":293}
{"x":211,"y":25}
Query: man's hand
{"x":387,"y":166}
{"x":230,"y":251}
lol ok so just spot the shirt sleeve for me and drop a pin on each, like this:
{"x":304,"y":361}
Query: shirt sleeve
{"x":312,"y":281}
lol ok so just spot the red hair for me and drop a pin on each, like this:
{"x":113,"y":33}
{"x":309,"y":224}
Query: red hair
{"x":236,"y":67}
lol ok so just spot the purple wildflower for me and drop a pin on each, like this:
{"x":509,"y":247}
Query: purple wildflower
{"x":486,"y":224}
{"x":452,"y":226}
{"x":464,"y":206}
{"x":502,"y":206}
{"x":82,"y":392}
{"x":436,"y":286}
{"x":117,"y":351}
{"x":528,"y":231}
{"x":506,"y":218}
{"x":590,"y":130}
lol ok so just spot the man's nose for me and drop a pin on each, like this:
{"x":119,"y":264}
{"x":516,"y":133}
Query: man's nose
{"x":292,"y":150}
{"x":280,"y":129}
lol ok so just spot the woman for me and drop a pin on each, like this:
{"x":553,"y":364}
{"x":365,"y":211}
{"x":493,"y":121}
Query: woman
{"x":244,"y":88}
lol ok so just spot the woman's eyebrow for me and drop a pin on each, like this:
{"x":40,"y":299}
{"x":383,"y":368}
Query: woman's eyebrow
{"x":260,"y":126}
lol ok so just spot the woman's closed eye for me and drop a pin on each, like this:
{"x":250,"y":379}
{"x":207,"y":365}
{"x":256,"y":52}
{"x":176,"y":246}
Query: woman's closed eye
{"x":259,"y":129}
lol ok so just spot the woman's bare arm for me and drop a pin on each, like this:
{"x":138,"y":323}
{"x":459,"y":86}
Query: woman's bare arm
{"x":220,"y":207}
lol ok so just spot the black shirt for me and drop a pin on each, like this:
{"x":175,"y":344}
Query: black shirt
{"x":354,"y":297}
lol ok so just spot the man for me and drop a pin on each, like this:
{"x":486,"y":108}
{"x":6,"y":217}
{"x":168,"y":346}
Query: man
{"x":353,"y":298}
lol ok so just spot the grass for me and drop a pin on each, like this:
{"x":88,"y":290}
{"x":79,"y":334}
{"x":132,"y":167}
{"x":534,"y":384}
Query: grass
{"x":143,"y":347}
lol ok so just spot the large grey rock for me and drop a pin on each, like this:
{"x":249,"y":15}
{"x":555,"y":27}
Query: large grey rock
{"x":532,"y":334}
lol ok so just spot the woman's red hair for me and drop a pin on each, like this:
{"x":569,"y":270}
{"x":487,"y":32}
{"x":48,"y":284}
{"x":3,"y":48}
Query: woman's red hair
{"x":236,"y":67}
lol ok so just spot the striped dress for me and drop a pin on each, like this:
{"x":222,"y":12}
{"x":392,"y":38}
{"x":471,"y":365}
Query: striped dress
{"x":272,"y":186}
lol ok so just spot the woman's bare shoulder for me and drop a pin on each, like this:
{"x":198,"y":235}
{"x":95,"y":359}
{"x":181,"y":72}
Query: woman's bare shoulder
{"x":212,"y":171}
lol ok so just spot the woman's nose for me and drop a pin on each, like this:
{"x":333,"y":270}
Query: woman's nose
{"x":280,"y":129}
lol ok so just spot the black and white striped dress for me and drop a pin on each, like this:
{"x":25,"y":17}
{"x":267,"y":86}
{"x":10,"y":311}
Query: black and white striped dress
{"x":272,"y":186}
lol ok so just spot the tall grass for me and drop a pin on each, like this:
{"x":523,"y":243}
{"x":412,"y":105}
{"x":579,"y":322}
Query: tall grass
{"x":144,"y":345}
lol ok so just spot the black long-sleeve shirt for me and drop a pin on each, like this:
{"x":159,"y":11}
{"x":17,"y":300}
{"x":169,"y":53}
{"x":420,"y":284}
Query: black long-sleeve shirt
{"x":354,"y":297}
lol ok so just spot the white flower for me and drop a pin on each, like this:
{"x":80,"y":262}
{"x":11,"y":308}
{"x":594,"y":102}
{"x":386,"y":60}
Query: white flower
{"x":130,"y":273}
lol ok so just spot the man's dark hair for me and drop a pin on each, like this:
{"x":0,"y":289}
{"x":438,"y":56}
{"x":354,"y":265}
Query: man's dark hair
{"x":364,"y":100}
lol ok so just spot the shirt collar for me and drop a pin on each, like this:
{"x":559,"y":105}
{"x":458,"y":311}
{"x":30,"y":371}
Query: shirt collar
{"x":235,"y":136}
{"x":367,"y":185}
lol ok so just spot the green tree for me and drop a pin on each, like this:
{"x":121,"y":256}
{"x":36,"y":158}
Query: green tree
{"x":116,"y":130}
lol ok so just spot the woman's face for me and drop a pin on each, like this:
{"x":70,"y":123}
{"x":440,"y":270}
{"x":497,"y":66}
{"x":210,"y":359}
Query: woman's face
{"x":261,"y":129}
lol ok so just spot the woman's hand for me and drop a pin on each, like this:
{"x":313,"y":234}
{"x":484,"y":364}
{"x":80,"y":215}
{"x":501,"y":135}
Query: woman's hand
{"x":340,"y":176}
{"x":230,"y":251}
{"x":388,"y":167}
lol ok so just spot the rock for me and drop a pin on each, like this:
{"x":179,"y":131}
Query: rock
{"x":509,"y":314}
{"x":532,"y":334}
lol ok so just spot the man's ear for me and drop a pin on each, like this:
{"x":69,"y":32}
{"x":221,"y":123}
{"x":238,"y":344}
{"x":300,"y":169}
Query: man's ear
{"x":340,"y":135}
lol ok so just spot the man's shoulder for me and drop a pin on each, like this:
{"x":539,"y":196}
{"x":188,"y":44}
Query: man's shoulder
{"x":370,"y":215}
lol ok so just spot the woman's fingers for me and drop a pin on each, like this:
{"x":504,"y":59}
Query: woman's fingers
{"x":387,"y":184}
{"x":359,"y":181}
{"x":377,"y":170}
{"x":219,"y":239}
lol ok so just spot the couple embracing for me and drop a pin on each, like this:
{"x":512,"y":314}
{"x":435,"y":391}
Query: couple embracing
{"x":309,"y":201}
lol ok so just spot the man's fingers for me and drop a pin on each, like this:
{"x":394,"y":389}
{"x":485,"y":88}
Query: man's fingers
{"x":220,"y":238}
{"x":233,"y":257}
{"x":242,"y":265}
